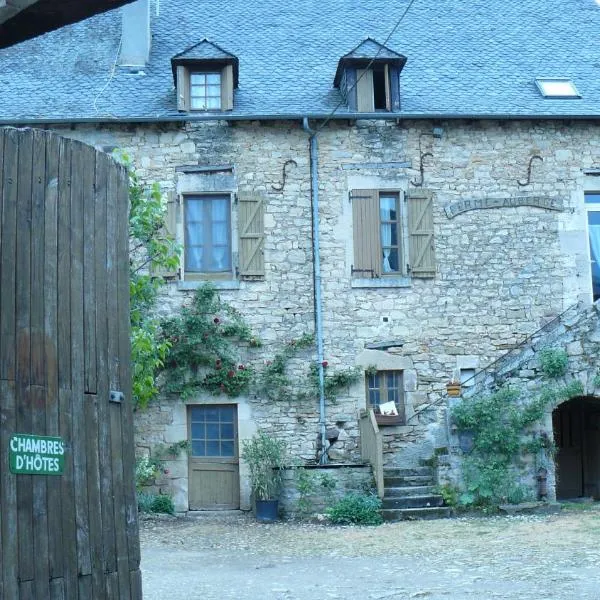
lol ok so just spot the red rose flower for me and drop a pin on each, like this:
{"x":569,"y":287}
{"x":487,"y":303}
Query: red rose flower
{"x":325,"y":363}
{"x":241,"y":367}
{"x":230,"y":373}
{"x":216,"y":320}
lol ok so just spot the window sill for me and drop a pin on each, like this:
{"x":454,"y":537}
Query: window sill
{"x":389,"y":420}
{"x":382,"y":282}
{"x":218,"y":284}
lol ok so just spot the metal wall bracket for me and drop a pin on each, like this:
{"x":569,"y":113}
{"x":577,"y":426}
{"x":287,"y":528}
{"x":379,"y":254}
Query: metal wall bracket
{"x":116,"y":397}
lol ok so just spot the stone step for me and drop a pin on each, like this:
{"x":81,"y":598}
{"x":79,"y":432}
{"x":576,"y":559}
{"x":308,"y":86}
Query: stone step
{"x":414,"y":471}
{"x":408,"y":514}
{"x":413,"y":490}
{"x":410,"y":481}
{"x":428,"y":501}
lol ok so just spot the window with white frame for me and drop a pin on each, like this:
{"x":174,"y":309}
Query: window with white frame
{"x":205,"y":90}
{"x":592,"y":205}
{"x":392,"y":234}
{"x":207,"y":240}
{"x":221,"y":235}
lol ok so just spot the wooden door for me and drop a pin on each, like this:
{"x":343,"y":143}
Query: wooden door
{"x":568,"y":428}
{"x":214,"y":481}
{"x":69,"y":530}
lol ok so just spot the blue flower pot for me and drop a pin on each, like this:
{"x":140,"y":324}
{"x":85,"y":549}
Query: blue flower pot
{"x":266,"y":511}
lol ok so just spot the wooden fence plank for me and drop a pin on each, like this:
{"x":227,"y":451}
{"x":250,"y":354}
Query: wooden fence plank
{"x":38,"y":355}
{"x":64,"y":265}
{"x":94,"y":498}
{"x":23,"y":353}
{"x":38,"y":188}
{"x":2,"y":467}
{"x":89,"y":273}
{"x":78,"y":164}
{"x":125,"y":372}
{"x":69,"y":531}
{"x":8,"y":496}
{"x":9,"y":249}
{"x":57,"y":589}
{"x":104,"y":433}
{"x":55,"y":534}
{"x":69,"y":534}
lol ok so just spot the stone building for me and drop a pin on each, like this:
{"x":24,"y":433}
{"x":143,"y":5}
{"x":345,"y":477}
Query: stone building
{"x":417,"y":184}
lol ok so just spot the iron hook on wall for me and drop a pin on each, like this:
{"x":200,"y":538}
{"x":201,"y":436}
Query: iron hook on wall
{"x":287,"y":163}
{"x":422,"y":168}
{"x":523,"y":184}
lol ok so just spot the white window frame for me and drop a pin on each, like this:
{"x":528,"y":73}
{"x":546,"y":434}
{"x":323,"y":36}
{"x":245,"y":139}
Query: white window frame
{"x":399,"y":186}
{"x":588,"y":209}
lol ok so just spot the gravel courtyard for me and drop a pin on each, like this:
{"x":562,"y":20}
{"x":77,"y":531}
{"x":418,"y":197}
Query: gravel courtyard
{"x":523,"y":557}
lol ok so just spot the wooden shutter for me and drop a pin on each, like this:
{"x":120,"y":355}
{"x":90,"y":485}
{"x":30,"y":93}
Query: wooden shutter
{"x":388,"y":98}
{"x":364,"y":90}
{"x":183,"y":88}
{"x":170,"y":231}
{"x":420,"y":231}
{"x":227,"y":88}
{"x":251,"y":235}
{"x":367,"y":235}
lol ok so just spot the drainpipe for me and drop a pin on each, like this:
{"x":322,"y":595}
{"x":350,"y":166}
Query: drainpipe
{"x":314,"y":175}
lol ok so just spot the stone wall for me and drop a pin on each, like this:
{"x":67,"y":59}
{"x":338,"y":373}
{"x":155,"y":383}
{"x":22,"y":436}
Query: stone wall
{"x":326,"y":486}
{"x":500,"y":272}
{"x":577,"y":332}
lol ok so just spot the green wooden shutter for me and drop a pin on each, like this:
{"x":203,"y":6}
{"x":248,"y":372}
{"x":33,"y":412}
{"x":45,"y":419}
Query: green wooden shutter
{"x":183,"y":88}
{"x":227,"y":88}
{"x":367,"y":234}
{"x":170,"y":232}
{"x":420,"y":230}
{"x":251,"y":235}
{"x":364,"y":90}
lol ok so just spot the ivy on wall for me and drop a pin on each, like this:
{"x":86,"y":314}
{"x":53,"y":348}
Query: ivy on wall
{"x":502,"y":427}
{"x":208,"y":341}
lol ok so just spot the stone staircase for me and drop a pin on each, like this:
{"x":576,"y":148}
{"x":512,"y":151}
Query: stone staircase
{"x":410,"y":494}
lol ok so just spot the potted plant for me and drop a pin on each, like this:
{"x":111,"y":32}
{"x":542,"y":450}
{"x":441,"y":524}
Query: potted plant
{"x":265,"y":457}
{"x":453,"y":387}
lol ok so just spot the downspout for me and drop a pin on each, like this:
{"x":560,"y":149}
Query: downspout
{"x":314,"y":200}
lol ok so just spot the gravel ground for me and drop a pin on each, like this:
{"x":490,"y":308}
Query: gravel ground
{"x":231,"y":556}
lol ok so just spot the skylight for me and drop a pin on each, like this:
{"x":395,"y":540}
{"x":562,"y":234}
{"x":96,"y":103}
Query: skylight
{"x":557,"y":87}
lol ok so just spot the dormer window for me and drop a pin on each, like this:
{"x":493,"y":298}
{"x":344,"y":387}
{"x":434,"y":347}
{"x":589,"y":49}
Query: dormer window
{"x":369,"y":78}
{"x":205,"y":90}
{"x":205,"y":77}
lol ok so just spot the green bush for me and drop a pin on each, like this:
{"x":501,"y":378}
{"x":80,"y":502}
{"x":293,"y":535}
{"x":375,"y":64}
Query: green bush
{"x":356,"y":509}
{"x":554,"y":362}
{"x":155,"y":503}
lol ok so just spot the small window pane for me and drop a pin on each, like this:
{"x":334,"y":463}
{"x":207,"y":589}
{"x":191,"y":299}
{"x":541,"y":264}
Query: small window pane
{"x":213,"y":103}
{"x":213,"y":78}
{"x":212,"y":431}
{"x":213,"y":448}
{"x":227,"y":431}
{"x":592,"y":198}
{"x":227,"y":448}
{"x":198,"y":415}
{"x":198,"y":78}
{"x":198,"y":448}
{"x":198,"y":430}
{"x":212,"y":414}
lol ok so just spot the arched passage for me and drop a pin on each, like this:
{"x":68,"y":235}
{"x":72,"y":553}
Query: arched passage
{"x":576,"y":426}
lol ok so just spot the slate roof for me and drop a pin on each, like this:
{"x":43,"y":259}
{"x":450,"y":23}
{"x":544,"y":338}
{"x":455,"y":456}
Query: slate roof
{"x":204,"y":50}
{"x":372,"y":49}
{"x":476,"y":58}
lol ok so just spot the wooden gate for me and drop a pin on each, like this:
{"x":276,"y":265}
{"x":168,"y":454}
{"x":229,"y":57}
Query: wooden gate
{"x":64,"y":374}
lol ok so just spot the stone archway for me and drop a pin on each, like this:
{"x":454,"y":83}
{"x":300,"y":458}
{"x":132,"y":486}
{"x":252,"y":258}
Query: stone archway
{"x":576,"y":427}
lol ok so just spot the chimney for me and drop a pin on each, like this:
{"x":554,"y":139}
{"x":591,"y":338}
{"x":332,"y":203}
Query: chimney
{"x":135,"y":41}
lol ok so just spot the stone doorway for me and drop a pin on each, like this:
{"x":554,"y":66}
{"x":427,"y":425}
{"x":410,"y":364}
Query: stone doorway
{"x":576,"y":426}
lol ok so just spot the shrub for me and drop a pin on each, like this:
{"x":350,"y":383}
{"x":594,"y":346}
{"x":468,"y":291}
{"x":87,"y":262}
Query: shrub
{"x":145,"y":471}
{"x":554,"y":362}
{"x":155,"y":503}
{"x":356,"y":509}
